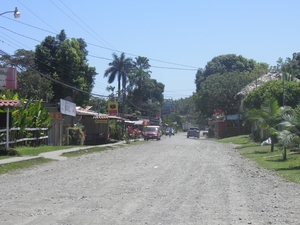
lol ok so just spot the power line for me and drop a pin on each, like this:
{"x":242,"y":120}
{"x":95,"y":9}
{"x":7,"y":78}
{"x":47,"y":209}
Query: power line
{"x":85,"y":23}
{"x":36,"y":15}
{"x":56,"y":81}
{"x":19,"y":34}
{"x":106,"y":48}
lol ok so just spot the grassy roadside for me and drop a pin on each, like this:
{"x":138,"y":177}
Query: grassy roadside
{"x":288,"y":169}
{"x":11,"y":167}
{"x":35,"y":151}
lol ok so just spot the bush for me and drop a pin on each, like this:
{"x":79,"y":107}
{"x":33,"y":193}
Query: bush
{"x":10,"y":152}
{"x":76,"y":136}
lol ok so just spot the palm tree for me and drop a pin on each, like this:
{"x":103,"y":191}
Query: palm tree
{"x":268,"y":117}
{"x":118,"y":67}
{"x":290,"y":135}
{"x":139,"y":77}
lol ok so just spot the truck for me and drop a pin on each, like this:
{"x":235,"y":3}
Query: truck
{"x":186,"y":126}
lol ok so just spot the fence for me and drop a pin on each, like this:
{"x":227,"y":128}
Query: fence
{"x":32,"y":135}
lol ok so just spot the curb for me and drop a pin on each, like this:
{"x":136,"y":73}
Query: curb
{"x":56,"y":155}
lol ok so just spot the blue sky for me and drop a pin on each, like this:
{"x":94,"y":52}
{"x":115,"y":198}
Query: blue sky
{"x":177,"y":36}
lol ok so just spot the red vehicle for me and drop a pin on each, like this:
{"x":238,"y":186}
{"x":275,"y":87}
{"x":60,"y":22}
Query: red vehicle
{"x":152,"y":132}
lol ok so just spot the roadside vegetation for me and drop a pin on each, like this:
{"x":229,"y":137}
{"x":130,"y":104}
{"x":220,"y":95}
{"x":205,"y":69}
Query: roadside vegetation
{"x":35,"y":151}
{"x":288,"y":169}
{"x":11,"y":167}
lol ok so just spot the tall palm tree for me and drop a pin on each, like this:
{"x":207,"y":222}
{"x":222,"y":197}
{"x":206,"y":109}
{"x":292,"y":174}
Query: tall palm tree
{"x":139,"y":77}
{"x":119,"y":68}
{"x":268,"y":117}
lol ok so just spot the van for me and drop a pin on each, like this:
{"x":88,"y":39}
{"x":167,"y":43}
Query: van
{"x":152,"y":132}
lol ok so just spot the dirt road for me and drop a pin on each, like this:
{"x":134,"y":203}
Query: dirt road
{"x":172,"y":181}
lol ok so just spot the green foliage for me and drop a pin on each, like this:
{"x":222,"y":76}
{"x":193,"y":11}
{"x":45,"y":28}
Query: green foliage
{"x":223,"y":77}
{"x":8,"y":95}
{"x":31,"y":115}
{"x":115,"y":129}
{"x":289,"y":136}
{"x":218,"y":91}
{"x":273,"y":88}
{"x":65,"y":61}
{"x":229,"y":63}
{"x":268,"y":117}
{"x":119,"y":68}
{"x":76,"y":136}
{"x":10,"y":152}
{"x":291,"y":66}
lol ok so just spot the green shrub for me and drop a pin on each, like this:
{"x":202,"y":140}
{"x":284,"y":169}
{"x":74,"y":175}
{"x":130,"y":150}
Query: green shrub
{"x":76,"y":136}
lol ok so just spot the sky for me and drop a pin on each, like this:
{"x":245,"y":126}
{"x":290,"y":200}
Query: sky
{"x":178,"y":37}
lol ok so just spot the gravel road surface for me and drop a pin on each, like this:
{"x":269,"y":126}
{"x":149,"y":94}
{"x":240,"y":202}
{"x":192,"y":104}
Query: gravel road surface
{"x":172,"y":181}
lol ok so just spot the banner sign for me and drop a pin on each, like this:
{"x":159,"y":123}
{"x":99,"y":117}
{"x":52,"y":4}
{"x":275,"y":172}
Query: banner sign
{"x":67,"y":108}
{"x":8,"y":78}
{"x":112,"y":108}
{"x":100,"y":121}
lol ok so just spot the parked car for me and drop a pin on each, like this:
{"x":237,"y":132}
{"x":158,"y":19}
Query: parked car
{"x":193,"y":132}
{"x":152,"y":132}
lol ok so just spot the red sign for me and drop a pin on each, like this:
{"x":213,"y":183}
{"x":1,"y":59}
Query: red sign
{"x":8,"y":78}
{"x":112,"y":108}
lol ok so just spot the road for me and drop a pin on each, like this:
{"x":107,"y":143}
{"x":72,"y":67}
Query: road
{"x":172,"y":181}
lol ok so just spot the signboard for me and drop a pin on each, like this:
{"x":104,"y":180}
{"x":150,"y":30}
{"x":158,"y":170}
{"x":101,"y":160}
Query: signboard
{"x":100,"y":121}
{"x":67,"y":108}
{"x":167,"y":108}
{"x":8,"y":78}
{"x":112,"y":108}
{"x":165,"y":111}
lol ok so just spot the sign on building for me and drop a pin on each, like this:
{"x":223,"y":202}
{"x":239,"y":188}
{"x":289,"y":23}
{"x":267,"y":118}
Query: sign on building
{"x":112,"y":108}
{"x":67,"y":108}
{"x":8,"y":78}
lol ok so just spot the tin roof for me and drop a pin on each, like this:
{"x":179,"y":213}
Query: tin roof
{"x":105,"y":117}
{"x":9,"y":103}
{"x":259,"y":81}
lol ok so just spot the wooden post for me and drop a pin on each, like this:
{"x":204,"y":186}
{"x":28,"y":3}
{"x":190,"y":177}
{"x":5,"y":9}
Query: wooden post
{"x":7,"y":129}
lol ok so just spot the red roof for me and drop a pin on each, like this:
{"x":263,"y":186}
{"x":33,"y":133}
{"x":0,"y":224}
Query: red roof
{"x":9,"y":103}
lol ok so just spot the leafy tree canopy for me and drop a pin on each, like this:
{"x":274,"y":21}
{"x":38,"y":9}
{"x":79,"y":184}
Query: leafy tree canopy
{"x":274,"y":89}
{"x":229,"y":63}
{"x":218,"y":91}
{"x":65,"y":60}
{"x":290,"y":65}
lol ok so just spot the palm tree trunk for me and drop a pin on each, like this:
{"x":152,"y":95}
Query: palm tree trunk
{"x":284,"y":153}
{"x":272,"y":143}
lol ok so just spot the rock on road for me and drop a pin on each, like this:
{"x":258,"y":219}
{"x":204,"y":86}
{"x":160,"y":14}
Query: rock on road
{"x":172,"y":181}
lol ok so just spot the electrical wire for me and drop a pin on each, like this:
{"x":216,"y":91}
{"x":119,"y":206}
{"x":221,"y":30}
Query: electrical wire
{"x":56,"y":81}
{"x":106,"y":48}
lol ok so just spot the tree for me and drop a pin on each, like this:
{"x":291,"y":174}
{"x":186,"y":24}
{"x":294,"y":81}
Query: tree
{"x":98,"y":104}
{"x":138,"y":77}
{"x":34,"y":86}
{"x":218,"y":91}
{"x":22,"y":59}
{"x":64,"y":60}
{"x":289,"y":136}
{"x":268,"y":117}
{"x":30,"y":84}
{"x":223,"y":77}
{"x":119,"y":69}
{"x":273,"y":88}
{"x":229,"y":63}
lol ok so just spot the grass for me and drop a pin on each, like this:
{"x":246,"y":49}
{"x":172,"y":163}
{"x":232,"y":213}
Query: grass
{"x":86,"y":151}
{"x":11,"y":167}
{"x":35,"y":151}
{"x":288,"y":169}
